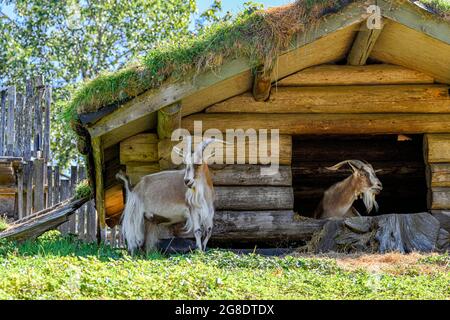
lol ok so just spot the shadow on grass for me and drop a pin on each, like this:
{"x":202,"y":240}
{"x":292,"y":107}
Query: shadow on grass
{"x":53,"y":243}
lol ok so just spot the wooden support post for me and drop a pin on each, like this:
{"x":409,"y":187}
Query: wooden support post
{"x":49,"y":198}
{"x":28,"y":176}
{"x":38,"y":82}
{"x":363,"y":44}
{"x":99,"y":187}
{"x":169,"y":119}
{"x":18,"y":126}
{"x":27,"y":123}
{"x":261,"y":84}
{"x":47,"y":104}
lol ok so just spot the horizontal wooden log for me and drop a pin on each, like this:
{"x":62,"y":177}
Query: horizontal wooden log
{"x":364,"y":42}
{"x":113,"y":202}
{"x":439,"y":198}
{"x":265,"y":226}
{"x":343,"y":99}
{"x":139,"y":148}
{"x":375,"y":74}
{"x":438,"y":175}
{"x":254,"y":198}
{"x":437,"y":147}
{"x":297,"y":124}
{"x":249,"y":175}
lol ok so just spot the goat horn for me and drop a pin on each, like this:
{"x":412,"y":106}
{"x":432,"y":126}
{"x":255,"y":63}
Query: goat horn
{"x":357,"y":163}
{"x":207,"y":142}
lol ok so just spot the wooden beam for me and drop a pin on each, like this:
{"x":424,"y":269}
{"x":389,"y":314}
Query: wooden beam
{"x":249,"y":175}
{"x":254,"y":198}
{"x":413,"y":49}
{"x":438,"y":175}
{"x":139,"y":148}
{"x":439,"y":198}
{"x":169,"y":119}
{"x":136,"y":171}
{"x":343,"y":99}
{"x":437,"y":147}
{"x":362,"y":46}
{"x":342,"y":75}
{"x":261,"y":85}
{"x":97,"y":152}
{"x":297,"y":124}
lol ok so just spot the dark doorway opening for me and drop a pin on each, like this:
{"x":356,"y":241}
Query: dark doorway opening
{"x":400,"y":157}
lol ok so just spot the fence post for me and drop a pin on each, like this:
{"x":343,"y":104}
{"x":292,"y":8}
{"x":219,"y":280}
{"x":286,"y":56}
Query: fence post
{"x":2,"y":121}
{"x":18,"y":149}
{"x":38,"y":197}
{"x":10,"y":124}
{"x":38,"y":83}
{"x":29,"y":186}
{"x":47,"y":104}
{"x":27,"y":123}
{"x":20,"y":192}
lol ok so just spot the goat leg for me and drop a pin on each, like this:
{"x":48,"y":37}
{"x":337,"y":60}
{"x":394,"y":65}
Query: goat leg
{"x":197,"y":229}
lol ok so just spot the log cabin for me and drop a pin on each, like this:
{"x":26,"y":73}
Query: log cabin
{"x":334,"y":88}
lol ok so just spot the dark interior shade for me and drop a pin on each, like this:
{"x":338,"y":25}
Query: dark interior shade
{"x":400,"y":158}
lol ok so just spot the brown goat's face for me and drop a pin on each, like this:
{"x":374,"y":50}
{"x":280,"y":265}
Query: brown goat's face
{"x":368,"y":179}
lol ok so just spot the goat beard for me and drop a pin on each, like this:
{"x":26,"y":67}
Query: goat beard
{"x":368,"y":198}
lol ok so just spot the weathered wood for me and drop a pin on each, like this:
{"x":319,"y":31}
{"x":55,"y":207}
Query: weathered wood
{"x":261,"y":85}
{"x":91,"y":222}
{"x":439,"y":198}
{"x":18,"y":125}
{"x":142,"y":148}
{"x":429,"y":56}
{"x":249,"y":175}
{"x":73,"y":182}
{"x":99,"y":190}
{"x":20,"y":201}
{"x":46,"y":134}
{"x":81,"y":213}
{"x":341,"y":75}
{"x":2,"y":122}
{"x":10,"y":121}
{"x":40,"y":223}
{"x":364,"y":42}
{"x":49,"y":197}
{"x":438,"y":175}
{"x":391,"y":232}
{"x":254,"y":198}
{"x":114,"y":204}
{"x":165,"y":150}
{"x":28,"y":177}
{"x":169,"y":119}
{"x":27,"y":123}
{"x":437,"y":148}
{"x":344,"y":99}
{"x":38,"y":106}
{"x":325,"y":123}
{"x":38,"y":179}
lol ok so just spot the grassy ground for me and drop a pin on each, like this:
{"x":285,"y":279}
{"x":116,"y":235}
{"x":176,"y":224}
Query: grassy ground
{"x":62,"y":268}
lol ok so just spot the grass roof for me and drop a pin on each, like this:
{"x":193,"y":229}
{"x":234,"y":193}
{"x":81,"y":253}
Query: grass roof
{"x":259,"y":37}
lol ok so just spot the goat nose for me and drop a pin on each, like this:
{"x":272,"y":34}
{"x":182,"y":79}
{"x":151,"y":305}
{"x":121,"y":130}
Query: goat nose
{"x":188,"y":182}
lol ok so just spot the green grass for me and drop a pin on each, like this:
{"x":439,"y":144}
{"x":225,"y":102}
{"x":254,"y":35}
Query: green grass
{"x":3,"y":223}
{"x":63,"y":268}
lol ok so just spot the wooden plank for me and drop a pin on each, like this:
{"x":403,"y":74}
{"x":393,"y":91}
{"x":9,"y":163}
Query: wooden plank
{"x":2,"y":122}
{"x":437,"y":147}
{"x":18,"y":126}
{"x":91,"y":222}
{"x":141,"y":147}
{"x":261,"y":85}
{"x":438,"y":175}
{"x":65,"y":190}
{"x":254,"y":198}
{"x":38,"y":194}
{"x":81,"y":213}
{"x":342,"y":75}
{"x":343,"y":99}
{"x":47,"y":106}
{"x":38,"y":106}
{"x":10,"y":136}
{"x":249,"y":175}
{"x":56,"y":186}
{"x":439,"y":198}
{"x":99,"y":191}
{"x":429,"y":55}
{"x":27,"y":124}
{"x":20,"y":201}
{"x":49,"y":198}
{"x":72,"y":223}
{"x":28,"y":177}
{"x":169,"y":119}
{"x":114,"y":204}
{"x":364,"y":42}
{"x":295,"y":124}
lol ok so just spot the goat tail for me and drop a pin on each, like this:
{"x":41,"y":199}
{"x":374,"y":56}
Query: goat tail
{"x":133,"y":224}
{"x":126,"y":181}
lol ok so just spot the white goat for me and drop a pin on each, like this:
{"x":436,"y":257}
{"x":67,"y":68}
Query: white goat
{"x":169,"y":197}
{"x":337,"y":201}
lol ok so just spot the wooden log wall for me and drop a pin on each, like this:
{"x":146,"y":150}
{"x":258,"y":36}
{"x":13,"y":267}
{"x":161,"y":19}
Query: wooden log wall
{"x":437,"y":156}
